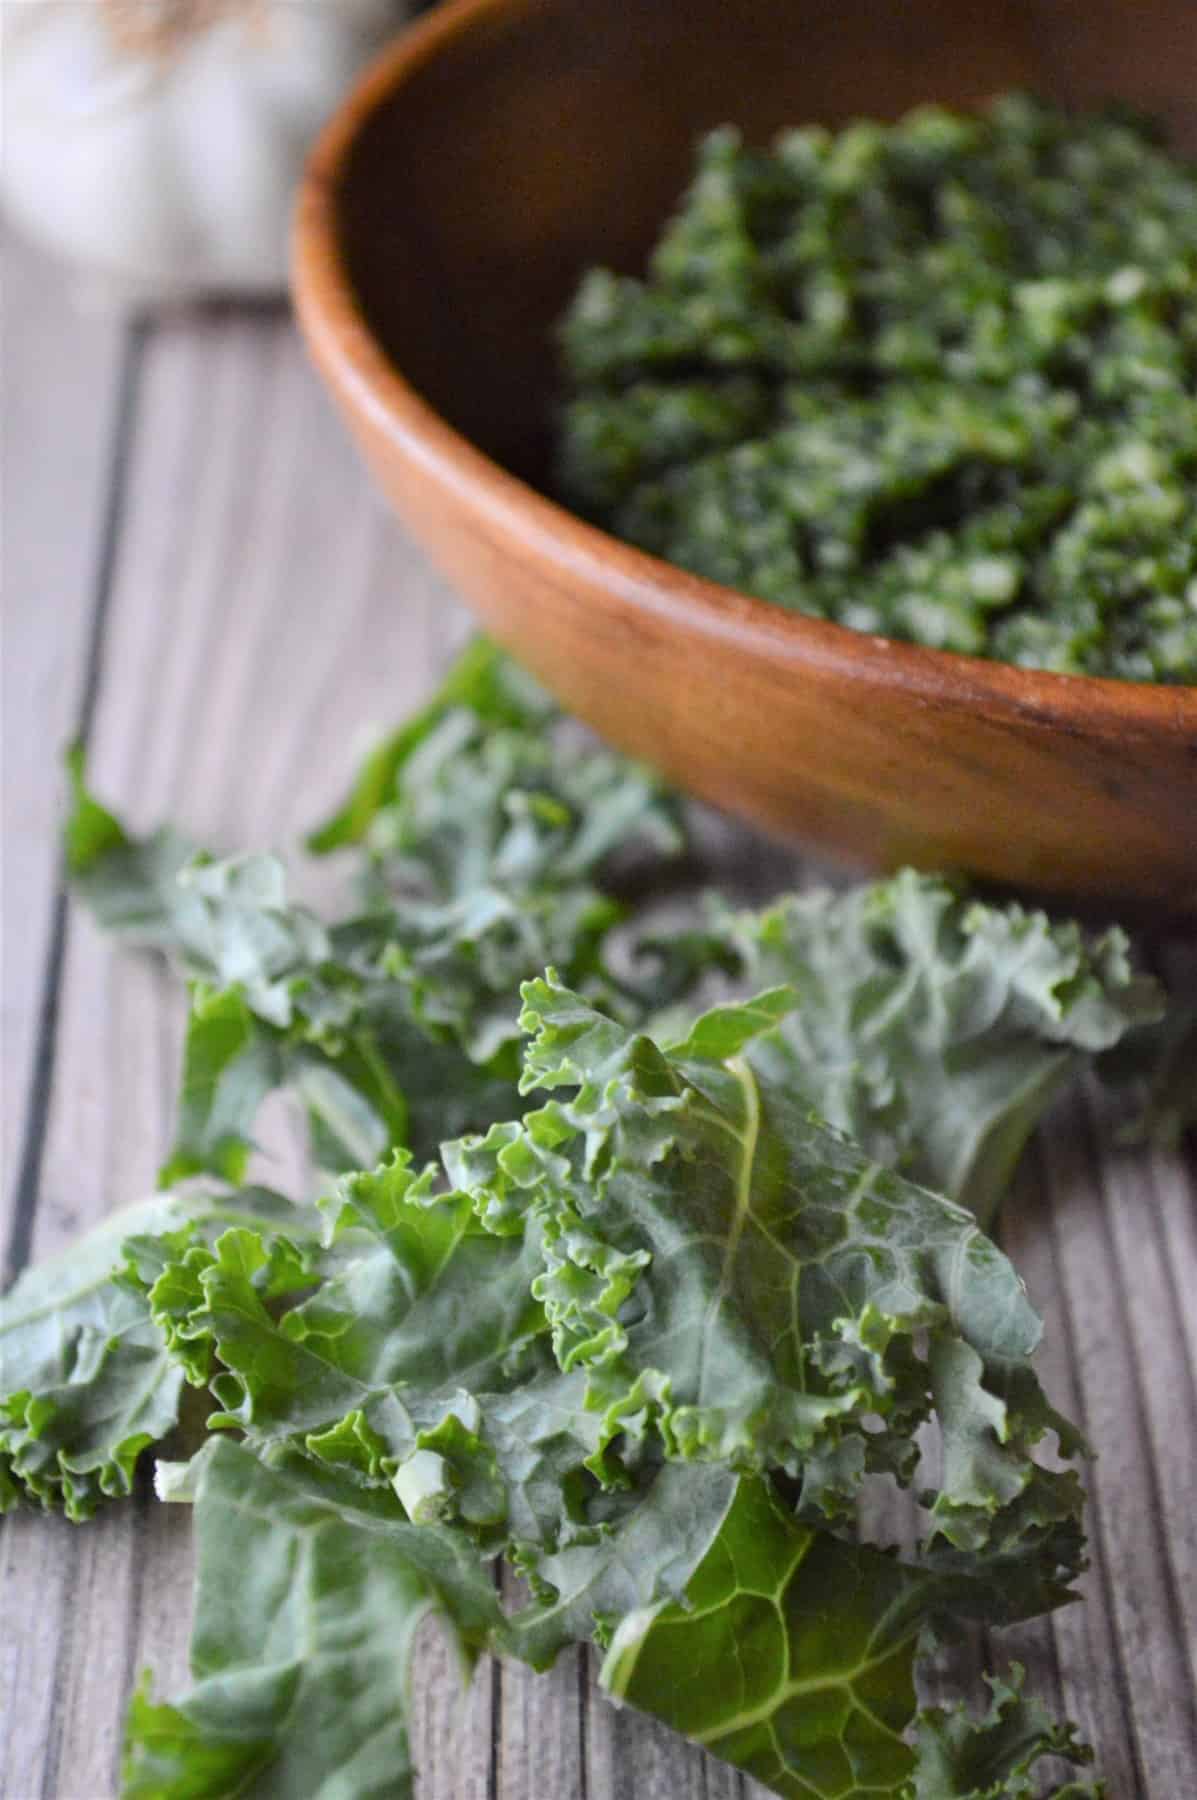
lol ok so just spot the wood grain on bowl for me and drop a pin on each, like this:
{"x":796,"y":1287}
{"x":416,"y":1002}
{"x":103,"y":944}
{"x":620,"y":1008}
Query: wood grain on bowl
{"x":505,"y":145}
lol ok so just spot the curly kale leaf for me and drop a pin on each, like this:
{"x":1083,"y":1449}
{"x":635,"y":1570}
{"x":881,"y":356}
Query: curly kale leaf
{"x":324,"y":1011}
{"x":423,"y":1368}
{"x":129,"y":884}
{"x":496,"y":854}
{"x":591,"y":1354}
{"x":430,"y":1307}
{"x":792,"y":1656}
{"x":90,"y":1379}
{"x":483,"y":681}
{"x":1154,"y":1067}
{"x":748,"y":1285}
{"x":280,"y":999}
{"x":488,"y":843}
{"x":994,"y":1758}
{"x":935,"y":1029}
{"x":786,"y":1651}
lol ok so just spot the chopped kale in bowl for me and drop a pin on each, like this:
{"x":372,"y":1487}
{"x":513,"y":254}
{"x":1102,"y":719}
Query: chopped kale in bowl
{"x":935,"y":380}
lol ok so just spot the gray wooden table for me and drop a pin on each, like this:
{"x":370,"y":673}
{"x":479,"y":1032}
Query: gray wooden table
{"x":200,"y":583}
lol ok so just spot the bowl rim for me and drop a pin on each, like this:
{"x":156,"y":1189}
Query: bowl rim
{"x":343,"y":342}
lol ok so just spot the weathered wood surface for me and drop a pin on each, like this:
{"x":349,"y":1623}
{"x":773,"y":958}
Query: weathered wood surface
{"x":200,"y":582}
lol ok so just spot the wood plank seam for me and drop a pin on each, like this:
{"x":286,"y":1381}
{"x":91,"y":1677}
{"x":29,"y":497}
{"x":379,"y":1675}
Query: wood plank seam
{"x":1104,"y":1199}
{"x":1100,"y":1571}
{"x":583,"y":1744}
{"x":1030,"y":1176}
{"x":496,"y":1728}
{"x":37,"y":1103}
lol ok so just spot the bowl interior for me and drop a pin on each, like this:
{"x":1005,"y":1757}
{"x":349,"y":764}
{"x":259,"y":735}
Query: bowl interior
{"x":533,"y":139}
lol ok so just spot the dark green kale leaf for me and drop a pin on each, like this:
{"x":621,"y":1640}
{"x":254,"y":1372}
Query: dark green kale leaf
{"x":793,"y":1656}
{"x":994,"y":1758}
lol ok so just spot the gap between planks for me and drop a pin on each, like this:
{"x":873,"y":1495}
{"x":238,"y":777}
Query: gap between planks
{"x":60,"y":392}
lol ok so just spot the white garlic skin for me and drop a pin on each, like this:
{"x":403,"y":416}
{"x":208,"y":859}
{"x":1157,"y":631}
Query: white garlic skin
{"x":171,"y":171}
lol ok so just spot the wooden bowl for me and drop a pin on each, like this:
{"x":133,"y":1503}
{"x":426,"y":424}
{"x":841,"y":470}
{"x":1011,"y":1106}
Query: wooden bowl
{"x":503,"y":146}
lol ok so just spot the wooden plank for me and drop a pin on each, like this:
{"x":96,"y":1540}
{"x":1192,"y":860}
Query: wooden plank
{"x":453,"y":1740}
{"x":59,"y":406}
{"x":541,"y":1729}
{"x":631,"y":1757}
{"x":539,"y":1723}
{"x":264,"y":616}
{"x":1124,"y":1657}
{"x":1074,"y":1654}
{"x":65,"y":373}
{"x":1130,"y":1187}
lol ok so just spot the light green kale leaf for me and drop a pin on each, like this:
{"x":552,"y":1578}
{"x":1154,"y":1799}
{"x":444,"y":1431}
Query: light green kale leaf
{"x":483,"y":681}
{"x":934,"y":1029}
{"x":746,"y":1284}
{"x":423,"y":1367}
{"x":431,"y":1311}
{"x":280,"y":999}
{"x":129,"y":884}
{"x":89,"y":1377}
{"x":496,"y":850}
{"x":309,"y":1594}
{"x":488,"y":844}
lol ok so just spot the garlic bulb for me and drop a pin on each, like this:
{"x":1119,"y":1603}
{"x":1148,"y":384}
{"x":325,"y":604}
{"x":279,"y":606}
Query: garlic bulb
{"x":159,"y":141}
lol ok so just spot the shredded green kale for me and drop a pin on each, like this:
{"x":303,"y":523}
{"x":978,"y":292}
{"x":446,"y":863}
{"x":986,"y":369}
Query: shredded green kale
{"x":934,"y":380}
